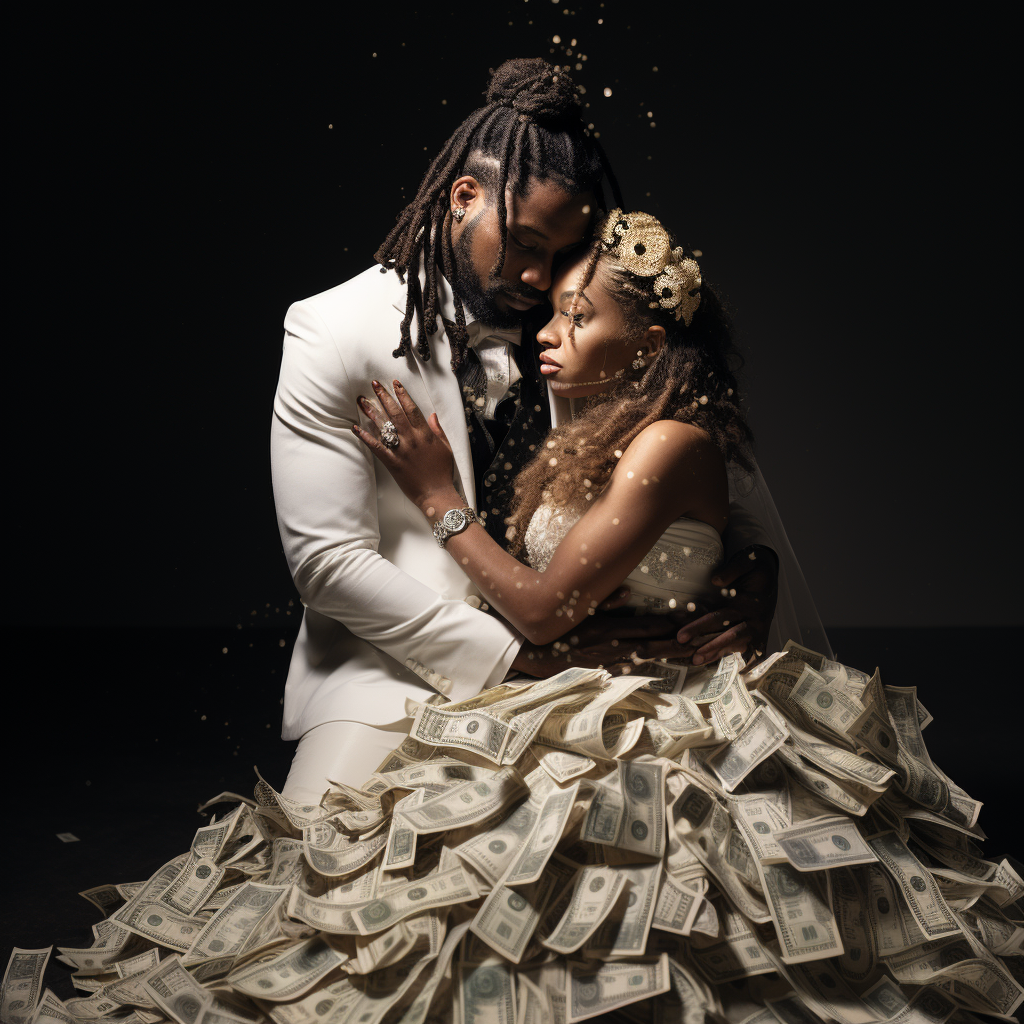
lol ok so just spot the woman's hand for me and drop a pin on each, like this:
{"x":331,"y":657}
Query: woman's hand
{"x":421,"y":461}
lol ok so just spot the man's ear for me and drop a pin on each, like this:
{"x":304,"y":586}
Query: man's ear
{"x":467,"y":194}
{"x":654,"y":339}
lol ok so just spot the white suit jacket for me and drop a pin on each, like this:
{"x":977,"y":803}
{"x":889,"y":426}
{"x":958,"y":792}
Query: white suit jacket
{"x":386,"y":612}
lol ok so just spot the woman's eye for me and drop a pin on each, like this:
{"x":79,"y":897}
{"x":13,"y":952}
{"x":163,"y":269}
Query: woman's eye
{"x":577,"y":318}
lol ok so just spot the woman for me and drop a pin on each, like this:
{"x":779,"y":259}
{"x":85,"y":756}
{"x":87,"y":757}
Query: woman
{"x":757,"y":846}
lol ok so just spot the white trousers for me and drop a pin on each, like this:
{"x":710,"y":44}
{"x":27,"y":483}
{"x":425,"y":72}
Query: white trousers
{"x":346,"y":752}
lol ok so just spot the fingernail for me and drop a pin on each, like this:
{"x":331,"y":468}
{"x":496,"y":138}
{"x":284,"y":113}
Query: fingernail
{"x":360,"y":400}
{"x":698,"y":660}
{"x":398,"y":385}
{"x":375,"y":383}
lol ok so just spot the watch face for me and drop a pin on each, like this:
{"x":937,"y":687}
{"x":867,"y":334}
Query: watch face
{"x":453,"y":519}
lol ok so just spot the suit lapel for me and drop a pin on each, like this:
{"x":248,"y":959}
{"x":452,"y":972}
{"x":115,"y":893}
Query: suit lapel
{"x":442,"y":388}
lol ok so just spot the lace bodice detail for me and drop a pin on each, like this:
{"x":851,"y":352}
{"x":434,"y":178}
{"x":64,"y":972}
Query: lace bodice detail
{"x":678,"y":567}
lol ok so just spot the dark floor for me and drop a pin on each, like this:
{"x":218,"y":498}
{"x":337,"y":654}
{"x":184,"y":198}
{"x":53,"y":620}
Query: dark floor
{"x":117,"y":737}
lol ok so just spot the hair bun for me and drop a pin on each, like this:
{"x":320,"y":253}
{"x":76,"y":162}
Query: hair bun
{"x":533,"y":87}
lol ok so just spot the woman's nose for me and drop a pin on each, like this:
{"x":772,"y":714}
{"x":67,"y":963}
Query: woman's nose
{"x":548,"y":334}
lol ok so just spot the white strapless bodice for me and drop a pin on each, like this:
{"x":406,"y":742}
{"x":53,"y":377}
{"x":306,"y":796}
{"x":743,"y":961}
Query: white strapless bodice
{"x":676,"y":570}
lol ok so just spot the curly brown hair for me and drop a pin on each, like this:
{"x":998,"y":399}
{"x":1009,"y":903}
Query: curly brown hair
{"x":691,"y":380}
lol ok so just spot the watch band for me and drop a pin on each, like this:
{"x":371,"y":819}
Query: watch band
{"x":454,"y":521}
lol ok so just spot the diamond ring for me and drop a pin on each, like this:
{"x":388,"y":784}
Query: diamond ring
{"x":388,"y":435}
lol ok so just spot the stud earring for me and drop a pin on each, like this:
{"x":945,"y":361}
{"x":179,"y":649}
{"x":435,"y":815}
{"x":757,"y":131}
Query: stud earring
{"x":639,"y":363}
{"x":458,"y":213}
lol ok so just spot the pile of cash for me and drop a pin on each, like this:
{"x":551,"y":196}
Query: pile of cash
{"x":757,"y":845}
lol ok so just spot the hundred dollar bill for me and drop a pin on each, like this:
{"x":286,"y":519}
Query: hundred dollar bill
{"x":803,"y":921}
{"x":872,"y":731}
{"x":477,"y":731}
{"x":409,"y":751}
{"x":176,"y":992}
{"x":794,"y":654}
{"x":113,"y":941}
{"x":593,"y":896}
{"x":919,"y":890}
{"x":676,"y":907}
{"x":193,"y":885}
{"x":825,"y":993}
{"x":465,"y":804}
{"x":490,"y":852}
{"x":216,"y":945}
{"x":22,"y":984}
{"x":841,"y":795}
{"x":508,"y":917}
{"x":105,"y":897}
{"x":761,"y":735}
{"x":702,"y":687}
{"x":629,"y":811}
{"x":162,"y":925}
{"x":486,"y":994}
{"x":891,"y":925}
{"x":821,"y":843}
{"x":757,"y":818}
{"x":438,"y":890}
{"x":324,"y":913}
{"x":137,"y":964}
{"x":333,"y":854}
{"x":400,"y":850}
{"x":731,"y":708}
{"x":51,"y":1010}
{"x":705,"y":827}
{"x":844,"y":764}
{"x":1007,"y":879}
{"x":827,"y":705}
{"x":624,"y":931}
{"x":562,"y":765}
{"x":290,"y":974}
{"x":591,"y":992}
{"x":534,"y":853}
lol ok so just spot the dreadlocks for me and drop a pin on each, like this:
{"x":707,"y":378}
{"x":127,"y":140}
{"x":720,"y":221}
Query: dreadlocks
{"x":532,"y":128}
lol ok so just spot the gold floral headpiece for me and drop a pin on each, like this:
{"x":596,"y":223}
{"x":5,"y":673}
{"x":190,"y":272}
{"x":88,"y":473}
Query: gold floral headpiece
{"x":640,"y":244}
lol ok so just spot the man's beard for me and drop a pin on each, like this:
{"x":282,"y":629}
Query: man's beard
{"x":481,"y":303}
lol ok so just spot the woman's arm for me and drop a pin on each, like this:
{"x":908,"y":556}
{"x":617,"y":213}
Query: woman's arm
{"x":670,"y":469}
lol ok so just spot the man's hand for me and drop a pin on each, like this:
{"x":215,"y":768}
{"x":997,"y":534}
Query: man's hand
{"x":750,"y":588}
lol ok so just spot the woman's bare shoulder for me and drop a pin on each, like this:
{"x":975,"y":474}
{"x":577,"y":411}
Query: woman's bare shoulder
{"x":672,"y":446}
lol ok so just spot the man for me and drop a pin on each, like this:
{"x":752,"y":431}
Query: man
{"x":388,"y":616}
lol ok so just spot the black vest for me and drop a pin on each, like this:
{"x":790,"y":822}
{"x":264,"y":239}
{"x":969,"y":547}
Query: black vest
{"x":502,"y":446}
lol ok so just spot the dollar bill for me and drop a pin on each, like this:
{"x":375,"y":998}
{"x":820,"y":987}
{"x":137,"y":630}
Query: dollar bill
{"x":803,"y":920}
{"x":195,"y":882}
{"x":562,"y":765}
{"x":476,"y":731}
{"x":830,"y":841}
{"x":465,"y":804}
{"x":291,"y":973}
{"x":51,"y":1010}
{"x":176,"y":992}
{"x":491,"y":852}
{"x":676,"y":907}
{"x":827,"y":705}
{"x":731,"y":708}
{"x":334,"y":854}
{"x":757,"y":818}
{"x":508,"y":917}
{"x":447,"y":889}
{"x":629,"y":811}
{"x":22,"y":984}
{"x":593,"y":896}
{"x":915,"y":882}
{"x":592,"y":992}
{"x":486,"y":994}
{"x":849,"y":898}
{"x":624,"y":931}
{"x":532,"y":856}
{"x":762,"y":734}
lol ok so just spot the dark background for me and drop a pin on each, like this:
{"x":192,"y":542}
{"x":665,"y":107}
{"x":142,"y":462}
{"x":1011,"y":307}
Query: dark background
{"x":180,"y":182}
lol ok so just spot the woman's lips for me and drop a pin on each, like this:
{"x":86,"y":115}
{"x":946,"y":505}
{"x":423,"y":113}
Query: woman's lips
{"x":549,"y":368}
